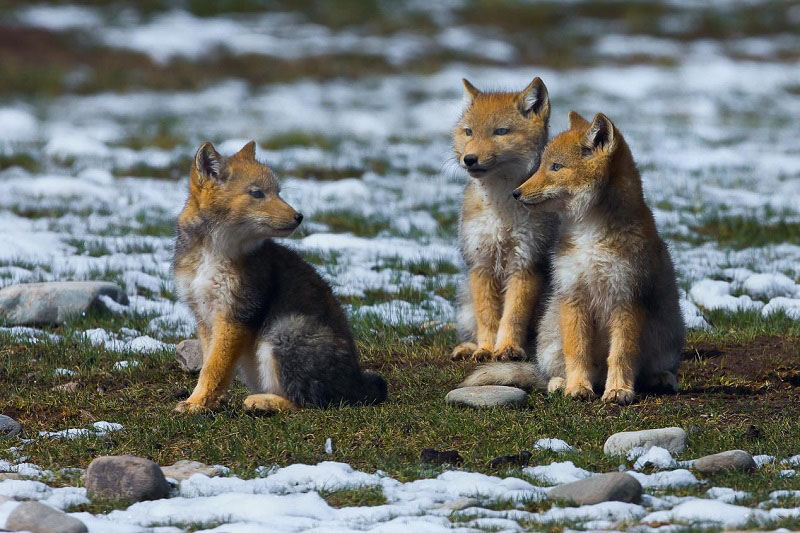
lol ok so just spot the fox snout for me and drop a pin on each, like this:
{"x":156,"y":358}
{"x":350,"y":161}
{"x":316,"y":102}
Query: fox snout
{"x":535,"y":191}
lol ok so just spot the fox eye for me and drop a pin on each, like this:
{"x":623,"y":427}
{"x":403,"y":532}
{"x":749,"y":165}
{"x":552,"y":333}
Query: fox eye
{"x":256,"y":193}
{"x":556,"y":166}
{"x":501,"y":131}
{"x":468,"y":132}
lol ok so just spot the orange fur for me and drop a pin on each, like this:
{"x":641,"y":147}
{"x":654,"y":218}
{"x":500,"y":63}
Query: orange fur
{"x":270,"y":403}
{"x":577,"y":338}
{"x":488,"y":308}
{"x":626,"y":327}
{"x":521,"y":289}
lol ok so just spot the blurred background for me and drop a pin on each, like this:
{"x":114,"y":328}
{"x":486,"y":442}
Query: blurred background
{"x":103,"y":104}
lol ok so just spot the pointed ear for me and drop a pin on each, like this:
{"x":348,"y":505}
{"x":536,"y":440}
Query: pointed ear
{"x":470,"y":91}
{"x":602,"y":135}
{"x":534,"y":100}
{"x":208,"y":162}
{"x":247,"y":152}
{"x":577,"y":121}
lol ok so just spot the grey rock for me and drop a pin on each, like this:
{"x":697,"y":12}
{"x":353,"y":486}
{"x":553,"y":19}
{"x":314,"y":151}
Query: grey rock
{"x":612,"y":487}
{"x":34,"y":304}
{"x":738,"y":460}
{"x":488,"y":396}
{"x":459,"y":504}
{"x":125,"y":477}
{"x":9,"y":427}
{"x":673,"y":439}
{"x":40,"y":518}
{"x":185,"y":469}
{"x":71,"y":386}
{"x":189,"y":355}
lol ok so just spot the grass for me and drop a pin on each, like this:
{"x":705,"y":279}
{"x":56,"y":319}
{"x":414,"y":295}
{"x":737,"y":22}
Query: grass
{"x":740,"y":232}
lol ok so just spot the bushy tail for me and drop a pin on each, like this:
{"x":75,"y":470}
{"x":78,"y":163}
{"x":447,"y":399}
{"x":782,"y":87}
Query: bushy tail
{"x":523,"y":375}
{"x":375,"y":389}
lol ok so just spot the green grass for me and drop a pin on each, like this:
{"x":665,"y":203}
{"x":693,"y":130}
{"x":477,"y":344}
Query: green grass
{"x":742,"y":232}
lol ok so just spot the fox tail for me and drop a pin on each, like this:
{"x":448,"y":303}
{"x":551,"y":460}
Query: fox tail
{"x":523,"y":375}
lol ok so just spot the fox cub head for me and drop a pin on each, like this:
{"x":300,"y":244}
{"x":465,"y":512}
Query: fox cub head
{"x":502,"y":134}
{"x":238,"y":198}
{"x":576,"y":162}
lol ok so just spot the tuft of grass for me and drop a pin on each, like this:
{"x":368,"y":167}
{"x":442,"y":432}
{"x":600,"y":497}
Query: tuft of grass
{"x":368,"y":496}
{"x":342,"y":221}
{"x":300,"y":138}
{"x":743,"y":232}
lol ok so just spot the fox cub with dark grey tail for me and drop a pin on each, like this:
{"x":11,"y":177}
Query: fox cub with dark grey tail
{"x":259,"y":307}
{"x":614,"y":316}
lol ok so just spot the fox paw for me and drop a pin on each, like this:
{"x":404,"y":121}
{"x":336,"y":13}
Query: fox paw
{"x":190,"y":407}
{"x":556,"y":384}
{"x":269,"y":403}
{"x":509,"y":353}
{"x":619,"y":396}
{"x":663,"y":381}
{"x":463,"y":351}
{"x":580,"y":391}
{"x":482,"y":354}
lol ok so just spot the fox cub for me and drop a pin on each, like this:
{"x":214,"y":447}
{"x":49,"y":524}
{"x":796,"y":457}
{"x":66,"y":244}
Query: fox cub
{"x":259,"y":306}
{"x":614,"y":315}
{"x":506,"y":247}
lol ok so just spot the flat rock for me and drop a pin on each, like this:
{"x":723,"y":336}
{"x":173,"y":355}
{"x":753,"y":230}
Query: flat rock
{"x":612,"y":487}
{"x":185,"y":469}
{"x":9,"y":427}
{"x":488,"y":396}
{"x":673,"y":439}
{"x":40,"y":518}
{"x":189,"y":355}
{"x":125,"y":477}
{"x":34,"y":304}
{"x":738,"y":460}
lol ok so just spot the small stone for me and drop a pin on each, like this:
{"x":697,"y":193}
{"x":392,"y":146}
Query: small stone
{"x":672,"y":439}
{"x":753,"y":432}
{"x":185,"y":469}
{"x":9,"y":427}
{"x":612,"y":487}
{"x":520,"y":459}
{"x":450,"y":457}
{"x":71,"y":386}
{"x":189,"y":355}
{"x":125,"y":477}
{"x":459,"y":504}
{"x":488,"y":396}
{"x":35,"y":304}
{"x":40,"y":518}
{"x":736,"y":460}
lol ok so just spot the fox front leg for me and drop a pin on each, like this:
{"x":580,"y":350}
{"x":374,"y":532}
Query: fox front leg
{"x":522,"y":291}
{"x":227,"y":341}
{"x":626,"y":328}
{"x":488,"y":306}
{"x":576,"y":331}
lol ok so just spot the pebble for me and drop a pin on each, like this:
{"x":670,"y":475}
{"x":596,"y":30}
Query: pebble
{"x":40,"y":518}
{"x":125,"y":477}
{"x":9,"y":427}
{"x":35,"y":304}
{"x":672,"y":439}
{"x":520,"y":459}
{"x":185,"y":469}
{"x":71,"y":386}
{"x":737,"y":460}
{"x":451,"y":457}
{"x":189,"y":355}
{"x":615,"y":486}
{"x":488,"y":396}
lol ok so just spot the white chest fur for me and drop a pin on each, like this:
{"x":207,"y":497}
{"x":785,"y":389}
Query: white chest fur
{"x":211,"y":287}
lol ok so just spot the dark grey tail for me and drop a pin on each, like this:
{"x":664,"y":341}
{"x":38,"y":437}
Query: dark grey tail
{"x":523,"y":375}
{"x":374,"y":388}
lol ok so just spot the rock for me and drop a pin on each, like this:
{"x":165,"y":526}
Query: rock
{"x":185,"y":469}
{"x":672,"y":439}
{"x":459,"y":504}
{"x":9,"y":427}
{"x":72,"y":386}
{"x":613,"y":487}
{"x":738,"y":460}
{"x":189,"y":355}
{"x":40,"y":518}
{"x":520,"y":459}
{"x":34,"y":304}
{"x":9,"y":475}
{"x":451,"y":457}
{"x":125,"y":477}
{"x":488,"y":396}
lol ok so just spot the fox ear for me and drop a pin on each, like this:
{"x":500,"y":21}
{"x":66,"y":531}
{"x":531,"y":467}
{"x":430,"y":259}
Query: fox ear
{"x":208,"y":163}
{"x":470,"y":91}
{"x":247,"y":152}
{"x":577,"y":121}
{"x":534,"y":100}
{"x":602,"y":135}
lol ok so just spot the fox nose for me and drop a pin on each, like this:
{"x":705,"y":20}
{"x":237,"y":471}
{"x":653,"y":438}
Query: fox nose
{"x":516,"y":194}
{"x":298,"y":217}
{"x":470,"y":159}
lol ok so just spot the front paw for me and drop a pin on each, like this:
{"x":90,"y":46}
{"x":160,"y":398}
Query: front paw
{"x":463,"y":351}
{"x":579,"y":390}
{"x":509,"y":353}
{"x":619,"y":396}
{"x":483,"y":354}
{"x":556,"y":384}
{"x":190,"y":407}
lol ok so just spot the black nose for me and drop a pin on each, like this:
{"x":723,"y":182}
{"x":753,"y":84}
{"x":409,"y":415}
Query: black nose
{"x":298,"y":217}
{"x":516,"y":194}
{"x":470,"y":159}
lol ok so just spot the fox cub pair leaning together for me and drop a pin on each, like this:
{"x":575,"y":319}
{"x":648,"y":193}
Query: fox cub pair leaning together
{"x":564,"y":262}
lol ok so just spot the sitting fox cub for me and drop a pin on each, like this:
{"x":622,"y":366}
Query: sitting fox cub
{"x":258,"y":305}
{"x":506,"y":247}
{"x":614,"y":315}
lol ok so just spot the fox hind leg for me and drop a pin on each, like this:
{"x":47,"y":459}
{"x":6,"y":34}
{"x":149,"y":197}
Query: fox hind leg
{"x":269,"y":403}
